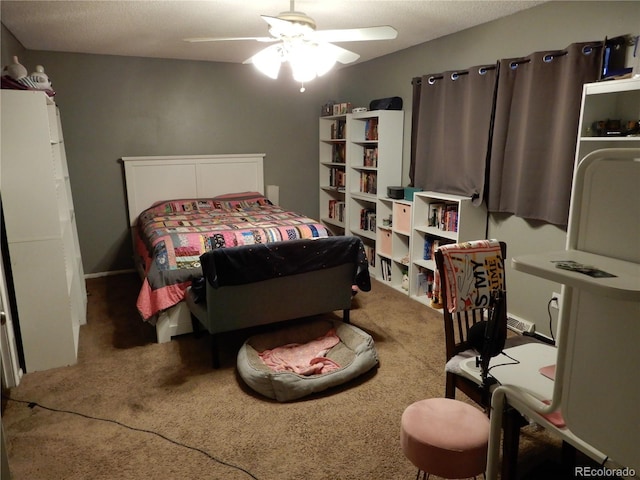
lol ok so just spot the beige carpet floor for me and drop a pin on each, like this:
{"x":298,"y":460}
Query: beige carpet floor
{"x":166,"y":414}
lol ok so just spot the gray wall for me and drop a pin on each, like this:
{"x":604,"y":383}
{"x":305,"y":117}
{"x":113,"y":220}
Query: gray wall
{"x":120,"y":106}
{"x":9,"y":47}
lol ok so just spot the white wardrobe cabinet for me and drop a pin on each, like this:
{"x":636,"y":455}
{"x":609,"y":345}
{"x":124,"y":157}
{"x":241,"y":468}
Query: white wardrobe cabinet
{"x":41,"y":230}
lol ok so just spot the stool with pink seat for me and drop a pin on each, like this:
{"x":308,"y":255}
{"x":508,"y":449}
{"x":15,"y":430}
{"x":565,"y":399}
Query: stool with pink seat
{"x":445,"y":437}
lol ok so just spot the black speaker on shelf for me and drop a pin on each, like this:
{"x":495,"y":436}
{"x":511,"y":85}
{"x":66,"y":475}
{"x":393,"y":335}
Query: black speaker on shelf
{"x":389,"y":103}
{"x":396,"y":193}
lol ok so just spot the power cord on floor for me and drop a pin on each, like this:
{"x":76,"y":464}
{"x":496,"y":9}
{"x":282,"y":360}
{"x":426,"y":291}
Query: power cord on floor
{"x":135,"y":429}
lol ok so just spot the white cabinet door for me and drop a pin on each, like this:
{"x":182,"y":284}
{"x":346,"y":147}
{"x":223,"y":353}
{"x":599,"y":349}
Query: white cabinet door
{"x":11,"y":371}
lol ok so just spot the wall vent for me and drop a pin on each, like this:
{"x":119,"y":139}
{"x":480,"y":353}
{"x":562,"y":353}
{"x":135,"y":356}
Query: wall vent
{"x":520,"y":325}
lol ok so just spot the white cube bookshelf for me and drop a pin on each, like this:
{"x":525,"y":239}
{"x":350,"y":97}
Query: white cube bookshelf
{"x":465,"y":222}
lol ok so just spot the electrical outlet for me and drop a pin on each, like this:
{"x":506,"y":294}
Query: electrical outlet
{"x":555,"y":300}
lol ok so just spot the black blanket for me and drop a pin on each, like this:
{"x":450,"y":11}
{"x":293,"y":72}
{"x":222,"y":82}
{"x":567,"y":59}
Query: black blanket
{"x":263,"y":261}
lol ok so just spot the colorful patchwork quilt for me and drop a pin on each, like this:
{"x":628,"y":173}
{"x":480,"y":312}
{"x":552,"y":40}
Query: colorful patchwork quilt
{"x":172,"y":235}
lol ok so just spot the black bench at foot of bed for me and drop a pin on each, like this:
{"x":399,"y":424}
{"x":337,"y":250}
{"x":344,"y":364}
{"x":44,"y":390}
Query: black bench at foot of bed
{"x":261,"y":284}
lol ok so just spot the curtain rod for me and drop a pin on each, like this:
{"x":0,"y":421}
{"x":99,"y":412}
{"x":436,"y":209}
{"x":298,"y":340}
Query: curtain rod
{"x":454,"y":75}
{"x":483,"y":70}
{"x":551,"y":55}
{"x":548,"y":57}
{"x":587,"y":49}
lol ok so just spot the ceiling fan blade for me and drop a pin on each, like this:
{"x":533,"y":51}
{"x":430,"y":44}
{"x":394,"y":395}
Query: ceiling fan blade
{"x":298,"y":25}
{"x":383,"y":32}
{"x":341,"y":55}
{"x":279,"y":27}
{"x":224,"y":39}
{"x":276,"y":22}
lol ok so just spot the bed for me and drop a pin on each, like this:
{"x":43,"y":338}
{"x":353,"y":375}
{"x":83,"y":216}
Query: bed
{"x":197,"y":204}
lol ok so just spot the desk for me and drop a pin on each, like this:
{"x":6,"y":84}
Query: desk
{"x":519,"y":367}
{"x":624,"y":285}
{"x":599,"y":318}
{"x":525,"y":374}
{"x":599,"y":330}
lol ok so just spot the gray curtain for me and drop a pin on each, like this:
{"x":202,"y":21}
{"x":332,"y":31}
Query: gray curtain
{"x":416,"y":85}
{"x":535,"y":131}
{"x":452,"y":131}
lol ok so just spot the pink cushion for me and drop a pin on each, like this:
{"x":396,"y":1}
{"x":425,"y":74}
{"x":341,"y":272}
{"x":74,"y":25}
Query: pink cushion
{"x":445,"y":437}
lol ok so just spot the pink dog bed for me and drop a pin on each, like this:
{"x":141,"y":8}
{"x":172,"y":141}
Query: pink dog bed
{"x":305,"y":358}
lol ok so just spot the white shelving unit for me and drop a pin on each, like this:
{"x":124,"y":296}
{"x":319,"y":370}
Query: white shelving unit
{"x":374,"y":162}
{"x":360,"y":156}
{"x":467,"y":222}
{"x":41,"y":231}
{"x":333,"y":146}
{"x":393,"y":241}
{"x":604,"y":231}
{"x":611,"y":100}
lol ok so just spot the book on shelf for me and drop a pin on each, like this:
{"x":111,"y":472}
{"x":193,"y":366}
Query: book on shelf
{"x":337,"y":178}
{"x":451,"y":218}
{"x":431,"y":244}
{"x":428,"y":249}
{"x":385,"y":269}
{"x":421,"y":284}
{"x":424,"y":283}
{"x":338,"y":153}
{"x":371,"y":129}
{"x":336,"y":210}
{"x":370,"y":157}
{"x":369,"y":182}
{"x":370,"y":252}
{"x":368,"y":219}
{"x":434,"y":214}
{"x":339,"y":129}
{"x":443,"y":216}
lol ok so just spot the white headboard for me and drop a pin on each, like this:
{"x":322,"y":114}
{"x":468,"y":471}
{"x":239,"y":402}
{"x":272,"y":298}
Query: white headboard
{"x":152,"y":179}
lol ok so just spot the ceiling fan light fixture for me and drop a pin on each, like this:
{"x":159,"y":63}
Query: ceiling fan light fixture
{"x":311,"y":53}
{"x":309,"y":60}
{"x":268,"y":61}
{"x":302,"y":71}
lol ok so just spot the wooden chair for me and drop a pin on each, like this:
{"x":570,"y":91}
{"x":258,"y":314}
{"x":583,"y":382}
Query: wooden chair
{"x":456,"y":329}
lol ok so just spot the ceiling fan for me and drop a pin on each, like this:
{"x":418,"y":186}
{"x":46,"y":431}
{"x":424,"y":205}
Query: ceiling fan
{"x":310,"y":52}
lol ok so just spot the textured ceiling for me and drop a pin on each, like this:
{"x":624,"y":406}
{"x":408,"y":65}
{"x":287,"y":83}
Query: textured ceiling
{"x":153,"y":28}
